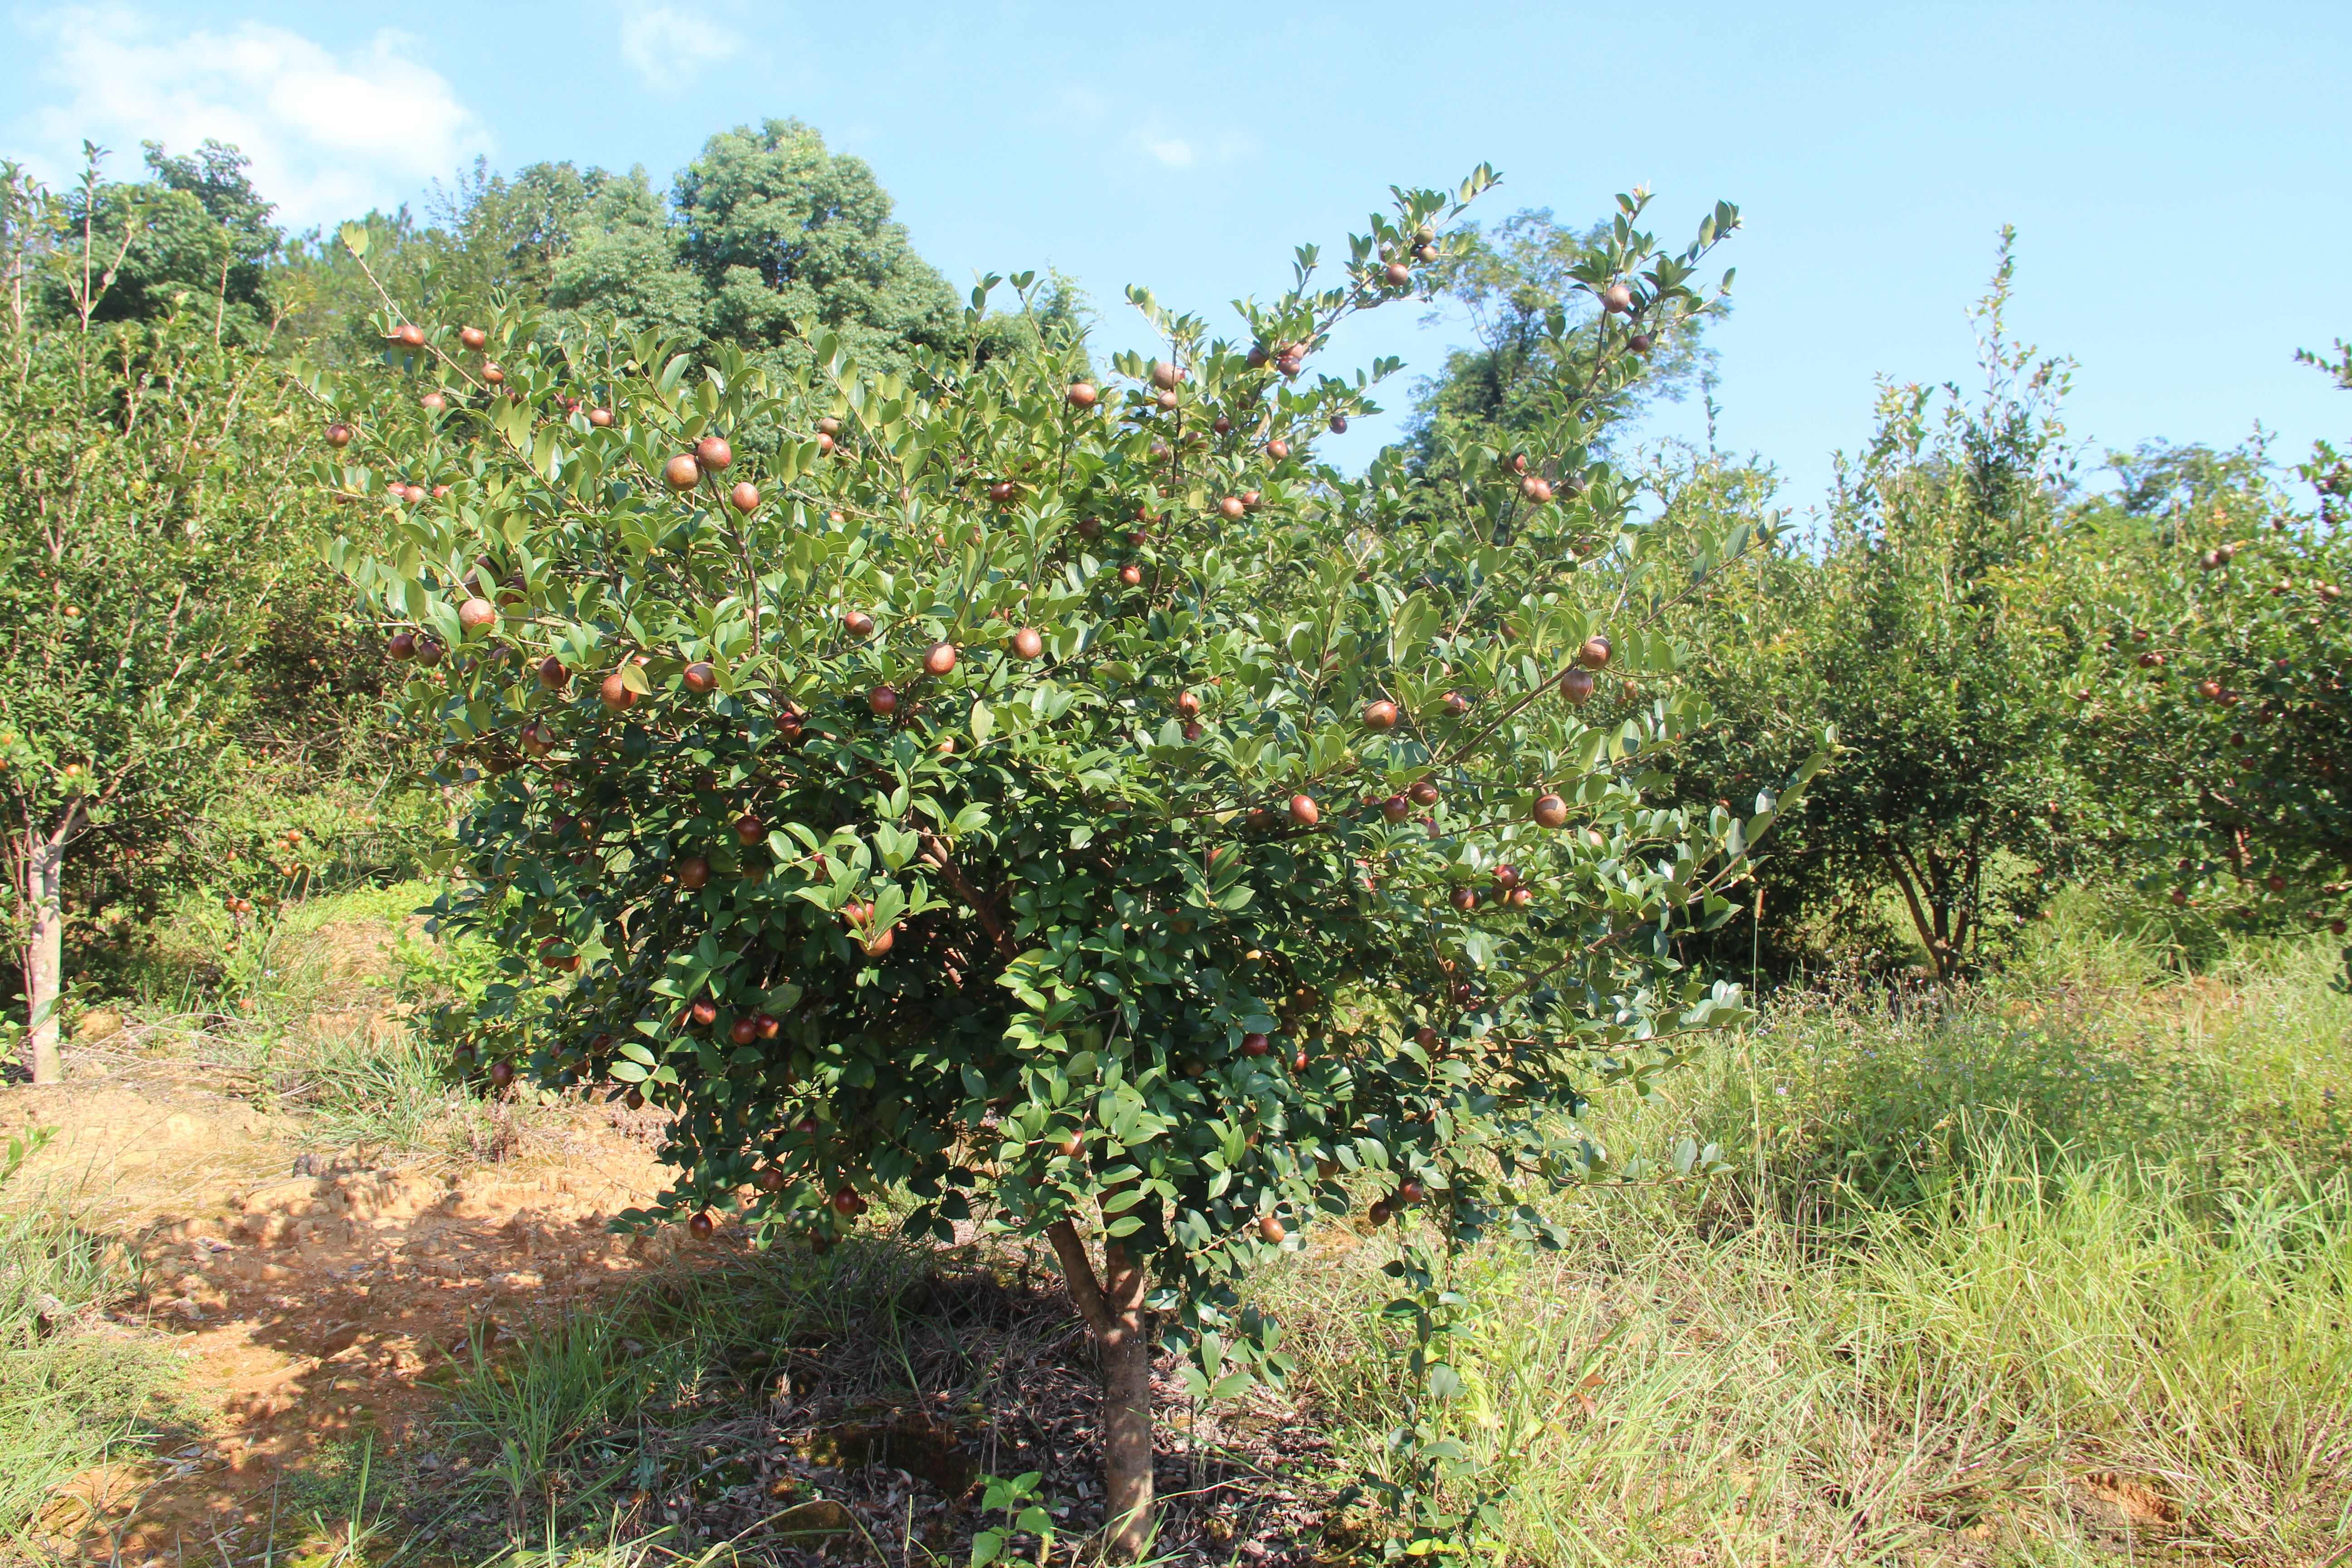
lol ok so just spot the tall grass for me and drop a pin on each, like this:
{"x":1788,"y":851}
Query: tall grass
{"x":76,"y":1391}
{"x":2056,"y":1269}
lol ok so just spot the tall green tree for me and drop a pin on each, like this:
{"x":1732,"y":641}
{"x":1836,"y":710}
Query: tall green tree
{"x":146,"y":530}
{"x":1068,"y":802}
{"x":2220,"y":706}
{"x":194,"y":230}
{"x":1538,"y":330}
{"x":1918,"y":634}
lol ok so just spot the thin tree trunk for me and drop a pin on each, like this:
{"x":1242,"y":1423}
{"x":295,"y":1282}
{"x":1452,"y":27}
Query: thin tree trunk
{"x":1919,"y":921}
{"x":44,"y":953}
{"x":1112,"y":1306}
{"x":1127,"y":1408}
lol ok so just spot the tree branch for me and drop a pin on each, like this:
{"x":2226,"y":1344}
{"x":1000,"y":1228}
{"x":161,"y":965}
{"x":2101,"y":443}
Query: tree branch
{"x":1085,"y":1291}
{"x":935,"y":850}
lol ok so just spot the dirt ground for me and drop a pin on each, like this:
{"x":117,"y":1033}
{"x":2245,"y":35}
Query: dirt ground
{"x":321,"y":1300}
{"x":310,"y":1293}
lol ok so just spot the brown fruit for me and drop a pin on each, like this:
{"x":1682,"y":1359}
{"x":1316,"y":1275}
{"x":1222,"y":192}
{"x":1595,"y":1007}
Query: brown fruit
{"x":1617,"y":299}
{"x":940,"y":659}
{"x":492,"y":374}
{"x":433,"y":402}
{"x":1519,"y":898}
{"x":744,"y":497}
{"x":1188,"y":704}
{"x":1537,"y":488}
{"x":1255,"y":1044}
{"x":771,"y":1179}
{"x":883,"y":701}
{"x":476,"y":614}
{"x":847,"y":1204}
{"x":1455,"y":704}
{"x":749,"y":830}
{"x":501,"y":1074}
{"x":1410,"y":1190}
{"x":1002,"y":490}
{"x":616,"y":693}
{"x":1081,"y":394}
{"x":857,"y":622}
{"x":1398,"y":274}
{"x":339,"y":434}
{"x":1167,"y":401}
{"x":1278,"y":448}
{"x":1396,"y":808}
{"x":1594,"y":654}
{"x":1231,"y":508}
{"x":1165,"y":375}
{"x":635,"y":1100}
{"x":712,"y":452}
{"x":410,"y":333}
{"x":1298,"y":1063}
{"x":828,"y":426}
{"x":1338,"y":424}
{"x":428,"y":649}
{"x":768,"y":1025}
{"x":1303,"y":811}
{"x":1506,"y":876}
{"x":1132,"y":574}
{"x":705,"y":1013}
{"x":402,"y":646}
{"x":682,"y":472}
{"x":1027,"y":643}
{"x":1424,"y":792}
{"x":538,"y":738}
{"x":1381,"y":715}
{"x":1640,"y":343}
{"x":1550,"y":811}
{"x":1576,"y":685}
{"x":600,"y":417}
{"x":742,"y":1031}
{"x":2276,"y":883}
{"x":1222,"y":426}
{"x":1270,"y":1229}
{"x":1466,"y":899}
{"x":1090,"y":528}
{"x":1070,"y":1148}
{"x":701,"y":1226}
{"x":693,"y":873}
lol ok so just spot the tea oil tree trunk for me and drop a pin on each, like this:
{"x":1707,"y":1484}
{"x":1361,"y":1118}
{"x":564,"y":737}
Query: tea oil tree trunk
{"x":40,"y":885}
{"x":1112,"y":1305}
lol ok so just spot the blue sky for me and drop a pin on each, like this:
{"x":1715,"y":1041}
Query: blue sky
{"x":2177,"y":174}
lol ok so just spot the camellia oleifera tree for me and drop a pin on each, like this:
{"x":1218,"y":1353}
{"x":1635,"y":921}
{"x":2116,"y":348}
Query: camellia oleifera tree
{"x":1059,"y":804}
{"x":147,"y":536}
{"x":2221,"y":692}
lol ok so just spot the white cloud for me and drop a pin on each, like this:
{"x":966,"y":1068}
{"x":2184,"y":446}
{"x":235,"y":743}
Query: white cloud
{"x":330,"y":135}
{"x":1176,"y":153}
{"x":670,"y":49}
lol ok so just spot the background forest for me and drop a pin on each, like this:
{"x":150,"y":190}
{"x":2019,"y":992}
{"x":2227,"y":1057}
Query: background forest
{"x":2011,"y":1228}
